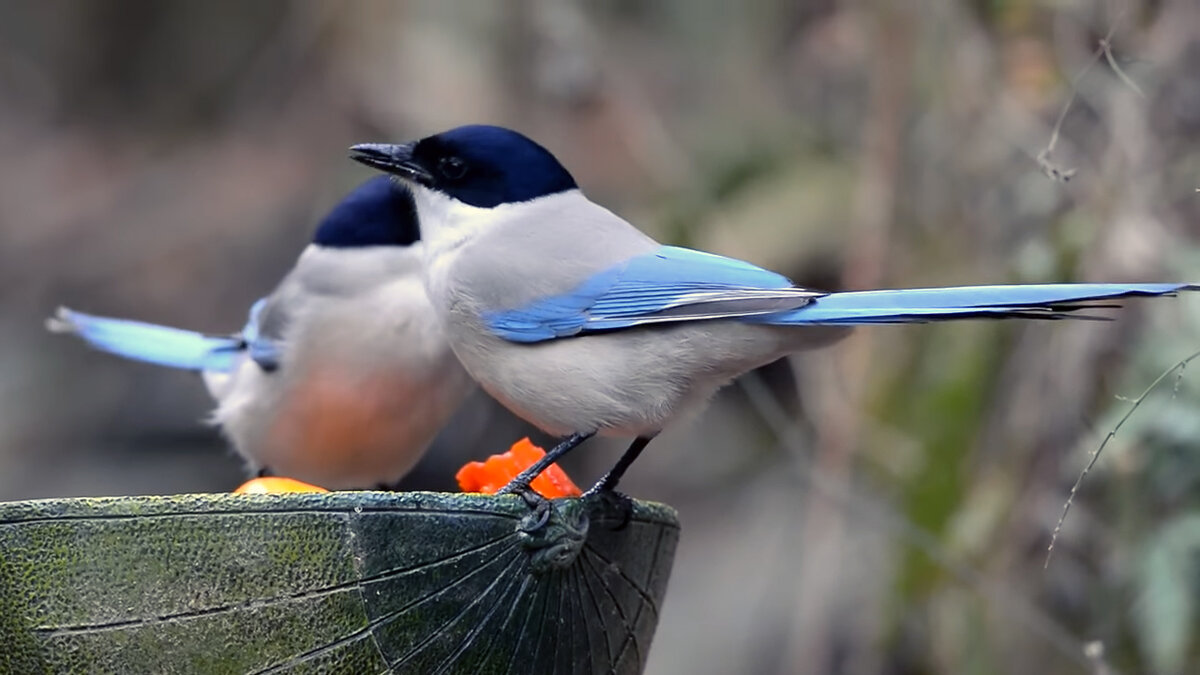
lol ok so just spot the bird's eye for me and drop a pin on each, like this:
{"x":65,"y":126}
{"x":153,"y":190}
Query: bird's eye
{"x":452,"y":167}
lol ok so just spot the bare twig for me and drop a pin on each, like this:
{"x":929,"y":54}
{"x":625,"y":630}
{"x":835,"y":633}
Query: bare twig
{"x":1178,"y":380}
{"x":1106,"y":45}
{"x":1112,"y":434}
{"x":1048,"y":167}
{"x":1052,"y":170}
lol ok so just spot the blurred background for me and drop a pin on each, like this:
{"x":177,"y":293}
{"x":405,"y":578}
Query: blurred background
{"x":883,"y":506}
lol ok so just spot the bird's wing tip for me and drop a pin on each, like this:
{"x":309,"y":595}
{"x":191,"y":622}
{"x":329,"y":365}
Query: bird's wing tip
{"x":63,"y":321}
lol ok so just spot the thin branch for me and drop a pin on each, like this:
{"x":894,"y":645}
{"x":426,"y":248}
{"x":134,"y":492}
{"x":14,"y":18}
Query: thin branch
{"x":1112,"y":434}
{"x":1048,"y":167}
{"x":1106,"y":45}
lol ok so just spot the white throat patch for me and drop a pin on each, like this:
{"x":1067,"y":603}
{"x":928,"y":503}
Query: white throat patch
{"x":447,"y":224}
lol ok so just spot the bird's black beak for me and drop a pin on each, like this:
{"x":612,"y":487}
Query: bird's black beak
{"x":393,"y":159}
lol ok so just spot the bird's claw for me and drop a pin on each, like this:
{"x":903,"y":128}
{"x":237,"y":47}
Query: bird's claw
{"x":539,"y":515}
{"x":540,"y":509}
{"x":608,"y":500}
{"x":553,"y":531}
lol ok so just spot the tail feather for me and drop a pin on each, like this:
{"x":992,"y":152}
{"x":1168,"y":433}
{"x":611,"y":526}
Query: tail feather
{"x":918,"y":305}
{"x":139,"y":341}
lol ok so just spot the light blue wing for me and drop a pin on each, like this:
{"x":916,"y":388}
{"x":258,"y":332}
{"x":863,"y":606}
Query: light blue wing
{"x":264,"y":351}
{"x":916,"y":305}
{"x":139,"y":341}
{"x":670,"y":285}
{"x":677,"y":284}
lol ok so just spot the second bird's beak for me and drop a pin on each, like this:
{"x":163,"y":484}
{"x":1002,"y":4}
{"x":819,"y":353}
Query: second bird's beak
{"x":393,"y":159}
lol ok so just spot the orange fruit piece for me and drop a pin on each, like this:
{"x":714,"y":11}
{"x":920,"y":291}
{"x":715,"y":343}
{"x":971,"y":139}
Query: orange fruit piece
{"x":274,"y":484}
{"x":494,"y":473}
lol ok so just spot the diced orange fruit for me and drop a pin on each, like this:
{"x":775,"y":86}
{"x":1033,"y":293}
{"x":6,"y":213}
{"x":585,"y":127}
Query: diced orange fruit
{"x":491,"y":475}
{"x":274,"y":484}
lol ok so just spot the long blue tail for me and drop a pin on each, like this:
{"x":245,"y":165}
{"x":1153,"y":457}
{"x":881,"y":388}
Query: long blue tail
{"x":918,"y":305}
{"x":139,"y":341}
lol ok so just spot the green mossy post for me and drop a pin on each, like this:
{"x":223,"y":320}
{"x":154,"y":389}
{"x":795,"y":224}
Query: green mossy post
{"x":355,"y":582}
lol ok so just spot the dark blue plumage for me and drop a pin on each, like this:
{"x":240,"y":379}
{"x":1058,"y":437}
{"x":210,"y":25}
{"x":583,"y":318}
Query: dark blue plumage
{"x":486,"y":166}
{"x":379,"y":212}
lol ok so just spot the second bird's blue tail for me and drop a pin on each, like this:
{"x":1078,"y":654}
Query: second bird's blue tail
{"x":918,"y":305}
{"x":147,"y":342}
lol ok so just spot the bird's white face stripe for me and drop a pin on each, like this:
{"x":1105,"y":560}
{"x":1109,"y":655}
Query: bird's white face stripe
{"x":447,"y":223}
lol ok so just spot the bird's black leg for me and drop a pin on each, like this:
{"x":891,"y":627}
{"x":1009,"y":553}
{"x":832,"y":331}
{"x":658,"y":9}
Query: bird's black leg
{"x":540,"y":508}
{"x":609,"y":482}
{"x":520,"y":484}
{"x":604,"y":489}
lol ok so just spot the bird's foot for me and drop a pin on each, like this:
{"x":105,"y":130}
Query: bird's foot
{"x":553,"y":531}
{"x":609,"y":502}
{"x":540,"y":508}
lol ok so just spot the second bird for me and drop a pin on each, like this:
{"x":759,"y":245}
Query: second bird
{"x":342,"y":376}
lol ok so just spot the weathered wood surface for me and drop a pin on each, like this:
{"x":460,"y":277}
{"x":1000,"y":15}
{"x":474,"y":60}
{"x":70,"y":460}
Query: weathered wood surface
{"x":356,"y":582}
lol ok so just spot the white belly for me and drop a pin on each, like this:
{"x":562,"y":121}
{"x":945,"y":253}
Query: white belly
{"x":628,"y":383}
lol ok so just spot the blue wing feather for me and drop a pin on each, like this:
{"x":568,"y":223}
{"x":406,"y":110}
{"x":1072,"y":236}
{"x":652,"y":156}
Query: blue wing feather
{"x":670,"y":285}
{"x":262,"y":350}
{"x":146,"y":342}
{"x":917,"y":305}
{"x":677,"y":284}
{"x":171,"y":347}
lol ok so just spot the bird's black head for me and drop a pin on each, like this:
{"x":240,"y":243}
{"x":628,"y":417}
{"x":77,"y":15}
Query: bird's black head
{"x":480,"y":165}
{"x":380,"y":212}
